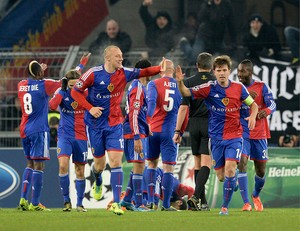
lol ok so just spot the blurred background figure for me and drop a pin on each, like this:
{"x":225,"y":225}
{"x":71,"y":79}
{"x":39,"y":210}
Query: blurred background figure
{"x":111,"y":36}
{"x":290,"y":138}
{"x":10,"y":121}
{"x":215,"y":18}
{"x":159,"y":36}
{"x":292,"y":35}
{"x":261,"y":39}
{"x":53,"y":119}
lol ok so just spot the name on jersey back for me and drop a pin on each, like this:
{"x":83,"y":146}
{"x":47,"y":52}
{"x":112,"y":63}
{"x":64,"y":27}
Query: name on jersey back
{"x":170,"y":84}
{"x":29,"y":88}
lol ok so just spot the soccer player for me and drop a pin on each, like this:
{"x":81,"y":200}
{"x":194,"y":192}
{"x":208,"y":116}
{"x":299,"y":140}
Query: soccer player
{"x":106,"y":84}
{"x":163,"y":102}
{"x":72,"y":139}
{"x":135,"y":132}
{"x":179,"y":190}
{"x":34,"y":94}
{"x":198,"y":126}
{"x":255,"y":142}
{"x":223,"y":98}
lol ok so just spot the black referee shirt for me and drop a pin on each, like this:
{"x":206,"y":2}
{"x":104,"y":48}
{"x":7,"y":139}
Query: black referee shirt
{"x":197,"y":107}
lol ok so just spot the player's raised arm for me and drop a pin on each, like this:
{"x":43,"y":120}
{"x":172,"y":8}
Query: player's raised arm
{"x":179,"y":77}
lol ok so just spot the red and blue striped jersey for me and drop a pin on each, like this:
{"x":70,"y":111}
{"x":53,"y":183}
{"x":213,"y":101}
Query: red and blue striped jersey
{"x":263,"y":97}
{"x":224,"y":105}
{"x":135,"y":125}
{"x":105,"y":90}
{"x":71,"y":123}
{"x":34,"y":96}
{"x":164,"y":100}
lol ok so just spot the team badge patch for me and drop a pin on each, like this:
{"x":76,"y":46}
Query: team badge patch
{"x":110,"y":87}
{"x":79,"y":84}
{"x":225,"y":101}
{"x":196,"y":88}
{"x":58,"y":150}
{"x":136,"y":105}
{"x":142,"y":155}
{"x":74,"y":104}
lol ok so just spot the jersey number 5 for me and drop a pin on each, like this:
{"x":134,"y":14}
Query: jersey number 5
{"x":169,"y":100}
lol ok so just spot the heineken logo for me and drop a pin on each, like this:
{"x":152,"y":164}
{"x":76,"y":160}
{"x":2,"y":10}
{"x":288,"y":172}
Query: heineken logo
{"x":283,"y":172}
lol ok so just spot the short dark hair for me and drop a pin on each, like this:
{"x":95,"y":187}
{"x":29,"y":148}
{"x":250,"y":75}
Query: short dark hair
{"x":248,"y":63}
{"x":33,"y":68}
{"x":144,"y":63}
{"x":204,"y":60}
{"x":183,"y":206}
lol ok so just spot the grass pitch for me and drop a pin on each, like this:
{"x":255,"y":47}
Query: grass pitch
{"x":102,"y":220}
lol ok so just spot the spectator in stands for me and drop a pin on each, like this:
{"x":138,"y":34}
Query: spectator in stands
{"x":290,"y":138}
{"x":214,"y":17}
{"x":159,"y":30}
{"x":189,"y":29}
{"x":11,"y":115}
{"x":261,"y":38}
{"x":112,"y":36}
{"x":10,"y":120}
{"x":292,"y":35}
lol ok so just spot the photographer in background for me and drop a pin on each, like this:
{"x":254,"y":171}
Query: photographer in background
{"x":290,"y":137}
{"x":53,"y":125}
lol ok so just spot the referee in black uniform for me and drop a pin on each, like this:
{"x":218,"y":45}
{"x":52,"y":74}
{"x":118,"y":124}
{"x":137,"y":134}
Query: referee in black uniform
{"x":198,"y":126}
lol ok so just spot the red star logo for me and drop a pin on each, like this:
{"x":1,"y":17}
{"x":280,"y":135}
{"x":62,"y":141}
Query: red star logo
{"x":190,"y":174}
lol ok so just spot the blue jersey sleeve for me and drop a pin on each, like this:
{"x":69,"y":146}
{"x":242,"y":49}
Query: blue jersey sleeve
{"x":151,"y":98}
{"x":131,"y":73}
{"x":268,"y":98}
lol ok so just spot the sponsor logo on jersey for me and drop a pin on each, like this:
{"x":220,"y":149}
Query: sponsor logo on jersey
{"x":225,"y":101}
{"x":110,"y":87}
{"x":102,"y":82}
{"x":9,"y":180}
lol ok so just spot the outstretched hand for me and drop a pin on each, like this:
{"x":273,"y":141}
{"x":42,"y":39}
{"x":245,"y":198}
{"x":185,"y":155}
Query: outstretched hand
{"x":163,"y":65}
{"x":85,"y":58}
{"x":43,"y":66}
{"x":178,"y":73}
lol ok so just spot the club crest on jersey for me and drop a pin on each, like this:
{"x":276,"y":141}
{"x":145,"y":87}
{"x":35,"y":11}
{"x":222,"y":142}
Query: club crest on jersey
{"x":225,"y":101}
{"x":110,"y":87}
{"x":79,"y":84}
{"x":74,"y":104}
{"x":136,"y":105}
{"x":58,"y":150}
{"x":142,"y":155}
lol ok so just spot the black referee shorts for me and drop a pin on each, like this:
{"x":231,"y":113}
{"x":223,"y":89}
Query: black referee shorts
{"x":198,"y":127}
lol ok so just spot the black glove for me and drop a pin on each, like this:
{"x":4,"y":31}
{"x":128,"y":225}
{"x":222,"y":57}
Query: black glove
{"x":64,"y":83}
